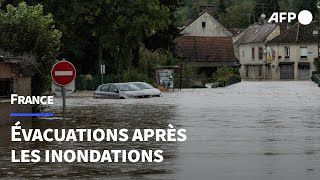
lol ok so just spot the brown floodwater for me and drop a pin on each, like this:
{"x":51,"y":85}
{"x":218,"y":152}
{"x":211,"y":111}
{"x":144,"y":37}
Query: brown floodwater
{"x":251,"y":130}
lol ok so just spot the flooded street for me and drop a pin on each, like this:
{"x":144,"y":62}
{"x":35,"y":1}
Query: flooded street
{"x":251,"y":130}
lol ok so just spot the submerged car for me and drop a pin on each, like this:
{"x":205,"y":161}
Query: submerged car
{"x":119,"y":91}
{"x":153,"y":92}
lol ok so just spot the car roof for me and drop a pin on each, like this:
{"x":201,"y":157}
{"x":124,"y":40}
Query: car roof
{"x":139,"y":82}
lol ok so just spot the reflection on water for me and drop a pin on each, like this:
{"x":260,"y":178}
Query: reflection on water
{"x":251,"y":130}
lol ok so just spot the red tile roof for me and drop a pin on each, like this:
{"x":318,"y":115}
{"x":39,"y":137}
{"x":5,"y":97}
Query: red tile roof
{"x":210,"y":51}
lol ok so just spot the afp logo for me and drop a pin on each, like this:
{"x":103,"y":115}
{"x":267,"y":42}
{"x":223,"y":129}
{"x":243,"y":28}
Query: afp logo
{"x":304,"y":17}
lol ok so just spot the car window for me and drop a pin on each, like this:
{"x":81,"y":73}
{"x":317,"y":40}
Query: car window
{"x":105,"y":88}
{"x":128,"y":87}
{"x":113,"y":88}
{"x":143,"y":85}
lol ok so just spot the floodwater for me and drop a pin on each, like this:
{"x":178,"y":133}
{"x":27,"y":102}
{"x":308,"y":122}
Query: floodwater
{"x":251,"y":130}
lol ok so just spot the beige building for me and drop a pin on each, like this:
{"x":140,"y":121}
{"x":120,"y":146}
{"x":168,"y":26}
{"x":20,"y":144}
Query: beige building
{"x":12,"y":81}
{"x":253,"y":52}
{"x":205,"y":44}
{"x":294,"y":52}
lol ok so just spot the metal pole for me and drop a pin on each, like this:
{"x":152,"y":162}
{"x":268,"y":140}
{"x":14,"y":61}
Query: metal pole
{"x":101,"y":78}
{"x":180,"y":76}
{"x":318,"y":37}
{"x":63,"y":103}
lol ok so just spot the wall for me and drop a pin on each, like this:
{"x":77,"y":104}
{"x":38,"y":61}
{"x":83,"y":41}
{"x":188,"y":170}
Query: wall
{"x":21,"y":86}
{"x":294,"y":57}
{"x":213,"y":27}
{"x":245,"y":54}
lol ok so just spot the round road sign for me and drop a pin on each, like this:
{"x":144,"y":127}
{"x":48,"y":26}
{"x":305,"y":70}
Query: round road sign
{"x":63,"y":73}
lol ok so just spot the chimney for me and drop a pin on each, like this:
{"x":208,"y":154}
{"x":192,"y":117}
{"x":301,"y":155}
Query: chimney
{"x":283,"y":27}
{"x":209,"y":9}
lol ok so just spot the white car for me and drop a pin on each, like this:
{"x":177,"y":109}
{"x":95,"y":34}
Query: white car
{"x":147,"y":88}
{"x":119,"y":91}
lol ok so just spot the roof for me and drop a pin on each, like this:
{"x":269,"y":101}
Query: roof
{"x":235,"y":31}
{"x":208,"y":51}
{"x":297,"y":34}
{"x":257,"y":33}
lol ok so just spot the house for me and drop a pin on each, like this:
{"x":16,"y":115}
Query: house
{"x":12,"y":81}
{"x":204,"y":43}
{"x":252,"y":50}
{"x":294,"y":52}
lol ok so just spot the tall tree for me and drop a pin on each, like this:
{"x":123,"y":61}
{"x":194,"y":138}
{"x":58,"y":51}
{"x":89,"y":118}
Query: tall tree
{"x":267,"y":7}
{"x":27,"y":30}
{"x":310,"y":5}
{"x":239,"y":15}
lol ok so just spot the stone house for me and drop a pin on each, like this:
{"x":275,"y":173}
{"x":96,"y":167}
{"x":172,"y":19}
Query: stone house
{"x":204,"y":43}
{"x":252,"y":50}
{"x":12,"y":81}
{"x":295,"y":51}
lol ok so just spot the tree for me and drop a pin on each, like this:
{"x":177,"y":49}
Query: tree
{"x":107,"y":31}
{"x":27,"y":30}
{"x":267,"y":7}
{"x":310,"y":5}
{"x":239,"y":15}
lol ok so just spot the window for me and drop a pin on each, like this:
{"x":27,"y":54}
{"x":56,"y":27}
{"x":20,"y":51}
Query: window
{"x":253,"y":54}
{"x":286,"y":51}
{"x":5,"y":87}
{"x":203,"y":24}
{"x":247,"y":71}
{"x":260,"y":53}
{"x":303,"y":52}
{"x":260,"y":71}
{"x":105,"y":88}
{"x":113,"y":88}
{"x":242,"y":53}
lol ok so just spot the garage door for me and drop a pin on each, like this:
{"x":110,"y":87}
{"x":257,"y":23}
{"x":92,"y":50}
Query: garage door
{"x":287,"y":71}
{"x":304,"y":73}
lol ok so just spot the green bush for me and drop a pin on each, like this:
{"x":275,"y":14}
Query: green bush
{"x":316,"y":78}
{"x":132,"y":75}
{"x":226,"y":76}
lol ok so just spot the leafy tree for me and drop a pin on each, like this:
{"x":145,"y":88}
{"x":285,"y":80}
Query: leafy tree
{"x":108,"y":31}
{"x":165,"y":38}
{"x":239,"y":16}
{"x":267,"y":7}
{"x":27,"y":30}
{"x":310,"y":5}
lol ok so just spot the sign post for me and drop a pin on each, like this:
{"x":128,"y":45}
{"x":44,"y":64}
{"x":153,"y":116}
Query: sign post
{"x":63,"y":74}
{"x":103,"y":71}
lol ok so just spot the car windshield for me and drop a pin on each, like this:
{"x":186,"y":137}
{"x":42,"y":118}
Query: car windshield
{"x":127,"y":87}
{"x":143,"y":85}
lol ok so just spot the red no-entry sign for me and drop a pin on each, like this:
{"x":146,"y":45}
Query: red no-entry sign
{"x":63,"y":73}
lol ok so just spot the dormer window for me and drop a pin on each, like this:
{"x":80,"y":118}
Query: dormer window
{"x":203,"y":24}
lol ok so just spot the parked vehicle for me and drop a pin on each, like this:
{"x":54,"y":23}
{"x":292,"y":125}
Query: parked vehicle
{"x":119,"y":91}
{"x":153,"y":92}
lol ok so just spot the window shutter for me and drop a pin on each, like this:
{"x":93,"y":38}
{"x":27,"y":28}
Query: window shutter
{"x":260,"y":53}
{"x":304,"y":52}
{"x":253,"y":54}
